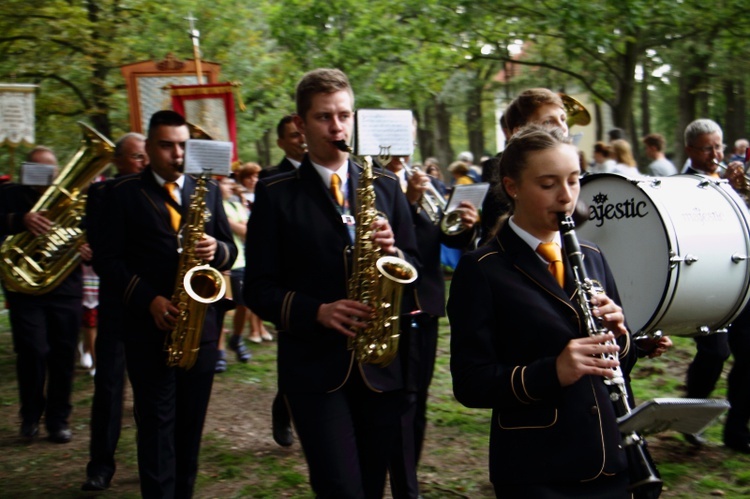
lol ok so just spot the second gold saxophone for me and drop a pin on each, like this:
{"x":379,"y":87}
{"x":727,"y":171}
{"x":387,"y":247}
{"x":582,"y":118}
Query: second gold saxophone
{"x":197,"y":285}
{"x":377,"y":281}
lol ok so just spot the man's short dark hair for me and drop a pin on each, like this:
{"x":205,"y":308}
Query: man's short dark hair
{"x":655,"y":140}
{"x":519,"y":111}
{"x":165,"y":117}
{"x":320,"y":81}
{"x":281,"y":127}
{"x":616,"y":134}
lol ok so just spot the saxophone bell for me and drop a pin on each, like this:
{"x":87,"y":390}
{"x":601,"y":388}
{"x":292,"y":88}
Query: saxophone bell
{"x":204,"y":284}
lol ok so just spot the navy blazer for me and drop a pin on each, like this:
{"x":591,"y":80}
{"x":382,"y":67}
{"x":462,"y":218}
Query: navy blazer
{"x":284,"y":166}
{"x":299,"y":256}
{"x":509,"y":322}
{"x":428,"y":293}
{"x":137,"y":248}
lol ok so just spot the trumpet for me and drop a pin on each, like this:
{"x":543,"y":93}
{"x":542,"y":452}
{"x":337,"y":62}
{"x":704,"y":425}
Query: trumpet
{"x":739,"y":182}
{"x":434,"y":204}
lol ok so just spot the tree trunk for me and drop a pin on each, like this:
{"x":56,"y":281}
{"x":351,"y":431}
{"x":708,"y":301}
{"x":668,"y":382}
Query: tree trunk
{"x":735,"y":113}
{"x":622,"y":109}
{"x":263,"y":147}
{"x":475,"y":121}
{"x":443,"y":149}
{"x":425,"y":132}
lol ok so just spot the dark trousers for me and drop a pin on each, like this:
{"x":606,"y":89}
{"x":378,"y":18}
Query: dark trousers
{"x":420,"y":351}
{"x":170,"y":409}
{"x":347,"y":436}
{"x":109,"y":384}
{"x":738,"y":385}
{"x":45,"y":333}
{"x":604,"y":487}
{"x":705,"y":370}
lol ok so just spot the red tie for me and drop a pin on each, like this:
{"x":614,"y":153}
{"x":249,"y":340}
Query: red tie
{"x":173,"y":213}
{"x":336,"y":189}
{"x":552,"y":253}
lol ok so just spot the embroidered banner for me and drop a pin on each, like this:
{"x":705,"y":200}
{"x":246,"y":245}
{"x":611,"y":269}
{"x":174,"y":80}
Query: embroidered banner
{"x":17,"y":114}
{"x":211,"y":107}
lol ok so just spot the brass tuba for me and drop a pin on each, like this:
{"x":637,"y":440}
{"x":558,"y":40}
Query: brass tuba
{"x":197,"y":285}
{"x":375,"y":280}
{"x":36,"y":265}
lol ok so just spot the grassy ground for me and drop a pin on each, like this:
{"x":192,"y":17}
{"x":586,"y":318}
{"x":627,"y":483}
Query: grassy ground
{"x":239,"y":458}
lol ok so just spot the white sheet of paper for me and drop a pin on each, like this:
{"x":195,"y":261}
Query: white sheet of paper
{"x":37,"y":174}
{"x":379,"y":129}
{"x":212,"y":156}
{"x":474,"y":193}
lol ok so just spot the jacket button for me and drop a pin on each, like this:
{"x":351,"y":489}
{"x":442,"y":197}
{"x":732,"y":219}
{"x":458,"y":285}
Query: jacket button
{"x":594,"y":410}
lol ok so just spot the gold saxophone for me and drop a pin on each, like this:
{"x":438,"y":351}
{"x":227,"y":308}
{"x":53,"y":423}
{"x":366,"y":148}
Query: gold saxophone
{"x":376,"y":280}
{"x":197,"y":285}
{"x":36,"y":265}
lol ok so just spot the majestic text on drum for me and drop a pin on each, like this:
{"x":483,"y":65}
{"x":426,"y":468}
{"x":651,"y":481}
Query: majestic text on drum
{"x":602,"y":210}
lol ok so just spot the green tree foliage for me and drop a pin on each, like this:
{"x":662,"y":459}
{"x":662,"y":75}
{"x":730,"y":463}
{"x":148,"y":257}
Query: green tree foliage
{"x":440,"y":58}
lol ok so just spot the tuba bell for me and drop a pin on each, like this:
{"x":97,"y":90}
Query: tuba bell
{"x":577,"y":113}
{"x":36,"y":265}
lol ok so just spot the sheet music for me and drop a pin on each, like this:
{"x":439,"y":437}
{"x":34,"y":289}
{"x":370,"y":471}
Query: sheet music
{"x":214,"y":156}
{"x":37,"y":174}
{"x":474,"y":193}
{"x":378,"y":128}
{"x":678,"y":414}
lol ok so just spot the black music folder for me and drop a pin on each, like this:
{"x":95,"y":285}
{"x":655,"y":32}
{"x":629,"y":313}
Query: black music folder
{"x":679,"y":414}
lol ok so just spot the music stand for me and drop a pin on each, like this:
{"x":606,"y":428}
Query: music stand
{"x":679,"y":414}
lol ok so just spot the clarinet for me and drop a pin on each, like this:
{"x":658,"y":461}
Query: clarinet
{"x":644,"y":480}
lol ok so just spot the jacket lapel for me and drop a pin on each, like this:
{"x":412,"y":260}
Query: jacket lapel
{"x":321,"y":197}
{"x":527,"y":261}
{"x":159,"y":197}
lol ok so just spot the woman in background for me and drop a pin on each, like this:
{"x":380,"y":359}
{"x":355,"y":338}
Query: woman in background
{"x":247,"y":176}
{"x":623,"y":156}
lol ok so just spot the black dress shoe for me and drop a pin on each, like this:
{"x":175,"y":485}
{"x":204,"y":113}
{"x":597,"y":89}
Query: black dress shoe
{"x":29,"y":430}
{"x":61,"y":436}
{"x":738,"y":444}
{"x":96,"y":482}
{"x":280,"y":423}
{"x":695,"y":440}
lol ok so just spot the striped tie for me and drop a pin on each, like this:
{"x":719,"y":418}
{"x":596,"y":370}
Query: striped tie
{"x":174,"y":215}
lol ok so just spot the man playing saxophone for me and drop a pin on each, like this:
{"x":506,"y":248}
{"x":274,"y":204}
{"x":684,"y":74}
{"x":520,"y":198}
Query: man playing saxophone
{"x":45,"y":326}
{"x":299,"y":253}
{"x":138,"y":256}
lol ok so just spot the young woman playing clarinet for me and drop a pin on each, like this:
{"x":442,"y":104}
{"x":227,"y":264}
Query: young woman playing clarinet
{"x":519,"y":339}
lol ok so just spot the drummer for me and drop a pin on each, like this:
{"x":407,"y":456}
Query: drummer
{"x":704,"y":145}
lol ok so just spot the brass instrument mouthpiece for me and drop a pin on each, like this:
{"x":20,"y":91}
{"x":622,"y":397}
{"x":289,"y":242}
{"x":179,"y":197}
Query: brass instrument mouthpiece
{"x":343,"y":146}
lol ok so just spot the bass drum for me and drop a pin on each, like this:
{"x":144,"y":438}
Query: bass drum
{"x":678,"y":248}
